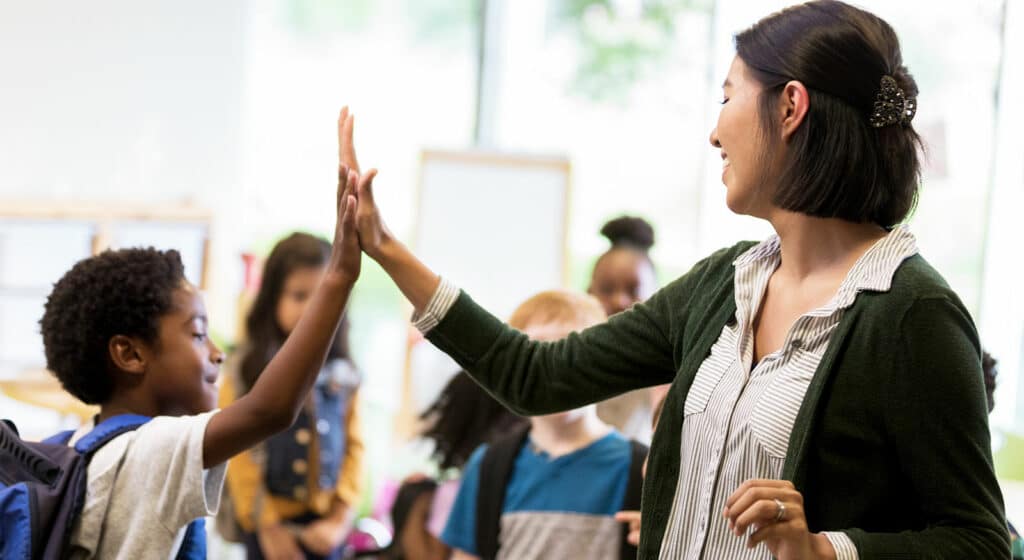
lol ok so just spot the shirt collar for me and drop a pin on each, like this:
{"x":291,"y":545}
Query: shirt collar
{"x":873,"y":271}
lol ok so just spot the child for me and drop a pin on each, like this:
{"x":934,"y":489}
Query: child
{"x":624,"y":276}
{"x":125,"y":330}
{"x":567,"y":480}
{"x":297,"y":490}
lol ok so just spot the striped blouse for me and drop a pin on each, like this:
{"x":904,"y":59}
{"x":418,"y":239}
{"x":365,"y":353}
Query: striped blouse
{"x":738,"y":418}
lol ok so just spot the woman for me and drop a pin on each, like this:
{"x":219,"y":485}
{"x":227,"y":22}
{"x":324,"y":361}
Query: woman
{"x":827,"y":398}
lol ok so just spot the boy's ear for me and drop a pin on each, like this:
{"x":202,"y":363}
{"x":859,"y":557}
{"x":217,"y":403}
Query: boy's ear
{"x":126,"y":354}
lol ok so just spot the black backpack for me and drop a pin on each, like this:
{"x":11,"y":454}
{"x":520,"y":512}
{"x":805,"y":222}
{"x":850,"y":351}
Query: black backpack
{"x":496,"y":471}
{"x":42,"y":490}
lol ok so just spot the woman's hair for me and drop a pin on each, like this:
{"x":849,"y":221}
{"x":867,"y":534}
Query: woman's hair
{"x":838,"y":164}
{"x":463,"y":417}
{"x":629,"y":232}
{"x":264,"y":335}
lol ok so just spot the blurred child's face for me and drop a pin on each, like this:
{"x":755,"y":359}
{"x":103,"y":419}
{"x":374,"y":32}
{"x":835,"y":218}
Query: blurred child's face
{"x":183,"y":365}
{"x":298,"y":288}
{"x":622,"y":278}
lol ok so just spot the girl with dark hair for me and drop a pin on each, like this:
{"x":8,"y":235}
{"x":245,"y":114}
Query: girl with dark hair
{"x":294,"y":495}
{"x":622,"y":277}
{"x":827,"y":398}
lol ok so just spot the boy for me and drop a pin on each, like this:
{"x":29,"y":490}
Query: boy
{"x":569,"y":478}
{"x":125,"y":330}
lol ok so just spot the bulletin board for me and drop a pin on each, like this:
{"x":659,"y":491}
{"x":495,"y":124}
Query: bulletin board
{"x":496,"y":225}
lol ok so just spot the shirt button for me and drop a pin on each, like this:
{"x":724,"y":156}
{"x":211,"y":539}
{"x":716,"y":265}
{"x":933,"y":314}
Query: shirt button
{"x":323,"y":426}
{"x":797,"y":344}
{"x":302,"y":436}
{"x":299,"y":466}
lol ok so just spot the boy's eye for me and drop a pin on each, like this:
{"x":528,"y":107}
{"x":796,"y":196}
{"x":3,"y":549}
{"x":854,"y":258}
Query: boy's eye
{"x":724,"y":100}
{"x":199,"y":336}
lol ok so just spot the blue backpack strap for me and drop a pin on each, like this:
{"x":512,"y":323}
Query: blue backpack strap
{"x":108,"y":430}
{"x":60,"y":438}
{"x":193,"y":546}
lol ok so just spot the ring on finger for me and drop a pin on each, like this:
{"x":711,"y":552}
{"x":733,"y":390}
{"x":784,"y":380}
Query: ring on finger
{"x":780,"y":511}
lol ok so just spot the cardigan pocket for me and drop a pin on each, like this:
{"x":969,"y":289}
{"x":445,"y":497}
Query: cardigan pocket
{"x":711,"y":371}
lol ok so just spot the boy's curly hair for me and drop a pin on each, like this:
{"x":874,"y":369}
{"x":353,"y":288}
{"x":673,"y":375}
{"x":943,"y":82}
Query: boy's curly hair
{"x":123,"y":292}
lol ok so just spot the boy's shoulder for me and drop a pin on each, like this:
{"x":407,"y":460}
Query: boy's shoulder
{"x":145,"y":486}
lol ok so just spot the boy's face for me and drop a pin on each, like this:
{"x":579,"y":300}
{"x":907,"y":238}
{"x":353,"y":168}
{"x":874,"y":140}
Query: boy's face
{"x":183,"y":365}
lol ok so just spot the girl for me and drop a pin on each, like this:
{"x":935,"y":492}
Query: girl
{"x":622,"y":277}
{"x":827,"y":397}
{"x":294,"y":495}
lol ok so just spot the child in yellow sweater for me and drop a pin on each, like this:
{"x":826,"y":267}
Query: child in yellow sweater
{"x":294,"y":495}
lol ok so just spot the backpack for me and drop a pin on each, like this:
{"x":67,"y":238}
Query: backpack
{"x":496,"y":472}
{"x":42,"y":491}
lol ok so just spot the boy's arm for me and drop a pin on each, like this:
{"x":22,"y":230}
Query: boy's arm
{"x":463,"y":555}
{"x":277,"y":396}
{"x":245,"y":478}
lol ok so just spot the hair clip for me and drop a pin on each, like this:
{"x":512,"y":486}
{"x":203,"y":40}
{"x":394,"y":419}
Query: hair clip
{"x":892,"y":106}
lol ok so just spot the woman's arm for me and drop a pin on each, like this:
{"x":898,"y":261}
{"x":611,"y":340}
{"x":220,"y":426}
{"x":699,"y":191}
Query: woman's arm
{"x":937,"y":419}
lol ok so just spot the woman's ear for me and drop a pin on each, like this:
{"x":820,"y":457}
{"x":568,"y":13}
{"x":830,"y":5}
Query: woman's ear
{"x":793,"y":106}
{"x":126,"y":354}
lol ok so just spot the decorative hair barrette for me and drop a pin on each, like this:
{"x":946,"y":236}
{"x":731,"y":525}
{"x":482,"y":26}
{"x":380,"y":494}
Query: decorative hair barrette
{"x":892,"y":106}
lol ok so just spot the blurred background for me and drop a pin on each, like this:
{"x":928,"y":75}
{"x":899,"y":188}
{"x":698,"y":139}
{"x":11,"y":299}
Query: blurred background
{"x":210,"y":127}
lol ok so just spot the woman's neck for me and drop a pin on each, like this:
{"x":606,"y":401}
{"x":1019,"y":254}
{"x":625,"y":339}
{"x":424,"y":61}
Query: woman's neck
{"x":813,"y":246}
{"x":564,"y":433}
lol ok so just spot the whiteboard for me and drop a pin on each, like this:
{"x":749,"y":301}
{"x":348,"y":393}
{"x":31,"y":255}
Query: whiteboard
{"x":494,"y":224}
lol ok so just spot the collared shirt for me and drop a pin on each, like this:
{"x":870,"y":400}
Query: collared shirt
{"x":738,"y":416}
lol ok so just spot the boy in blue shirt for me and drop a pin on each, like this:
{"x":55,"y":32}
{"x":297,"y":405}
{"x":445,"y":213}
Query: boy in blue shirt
{"x":568,"y":478}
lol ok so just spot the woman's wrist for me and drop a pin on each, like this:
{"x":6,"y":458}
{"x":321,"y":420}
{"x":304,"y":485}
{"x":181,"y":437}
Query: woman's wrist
{"x":822,"y":547}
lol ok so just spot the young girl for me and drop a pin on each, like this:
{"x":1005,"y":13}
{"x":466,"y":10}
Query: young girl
{"x":295,"y":493}
{"x":827,"y":397}
{"x":622,"y":277}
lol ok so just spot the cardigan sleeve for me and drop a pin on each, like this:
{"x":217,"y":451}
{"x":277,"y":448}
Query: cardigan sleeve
{"x":937,"y":417}
{"x":633,"y":349}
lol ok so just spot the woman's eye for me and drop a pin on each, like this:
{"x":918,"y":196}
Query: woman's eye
{"x":199,"y":336}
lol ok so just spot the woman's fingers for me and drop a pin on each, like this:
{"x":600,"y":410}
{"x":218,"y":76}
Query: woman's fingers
{"x":346,"y":145}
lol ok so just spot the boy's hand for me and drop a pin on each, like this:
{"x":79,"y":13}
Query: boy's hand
{"x":631,"y":517}
{"x":346,"y":258}
{"x":278,"y":543}
{"x":373,"y":234}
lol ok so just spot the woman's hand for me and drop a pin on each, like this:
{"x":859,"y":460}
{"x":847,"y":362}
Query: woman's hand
{"x":373,"y":233}
{"x":346,"y":258}
{"x":632,"y":517}
{"x":775,"y":510}
{"x":278,"y":543}
{"x":323,"y":536}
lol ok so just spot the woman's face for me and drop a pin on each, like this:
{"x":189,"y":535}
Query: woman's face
{"x":738,"y":136}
